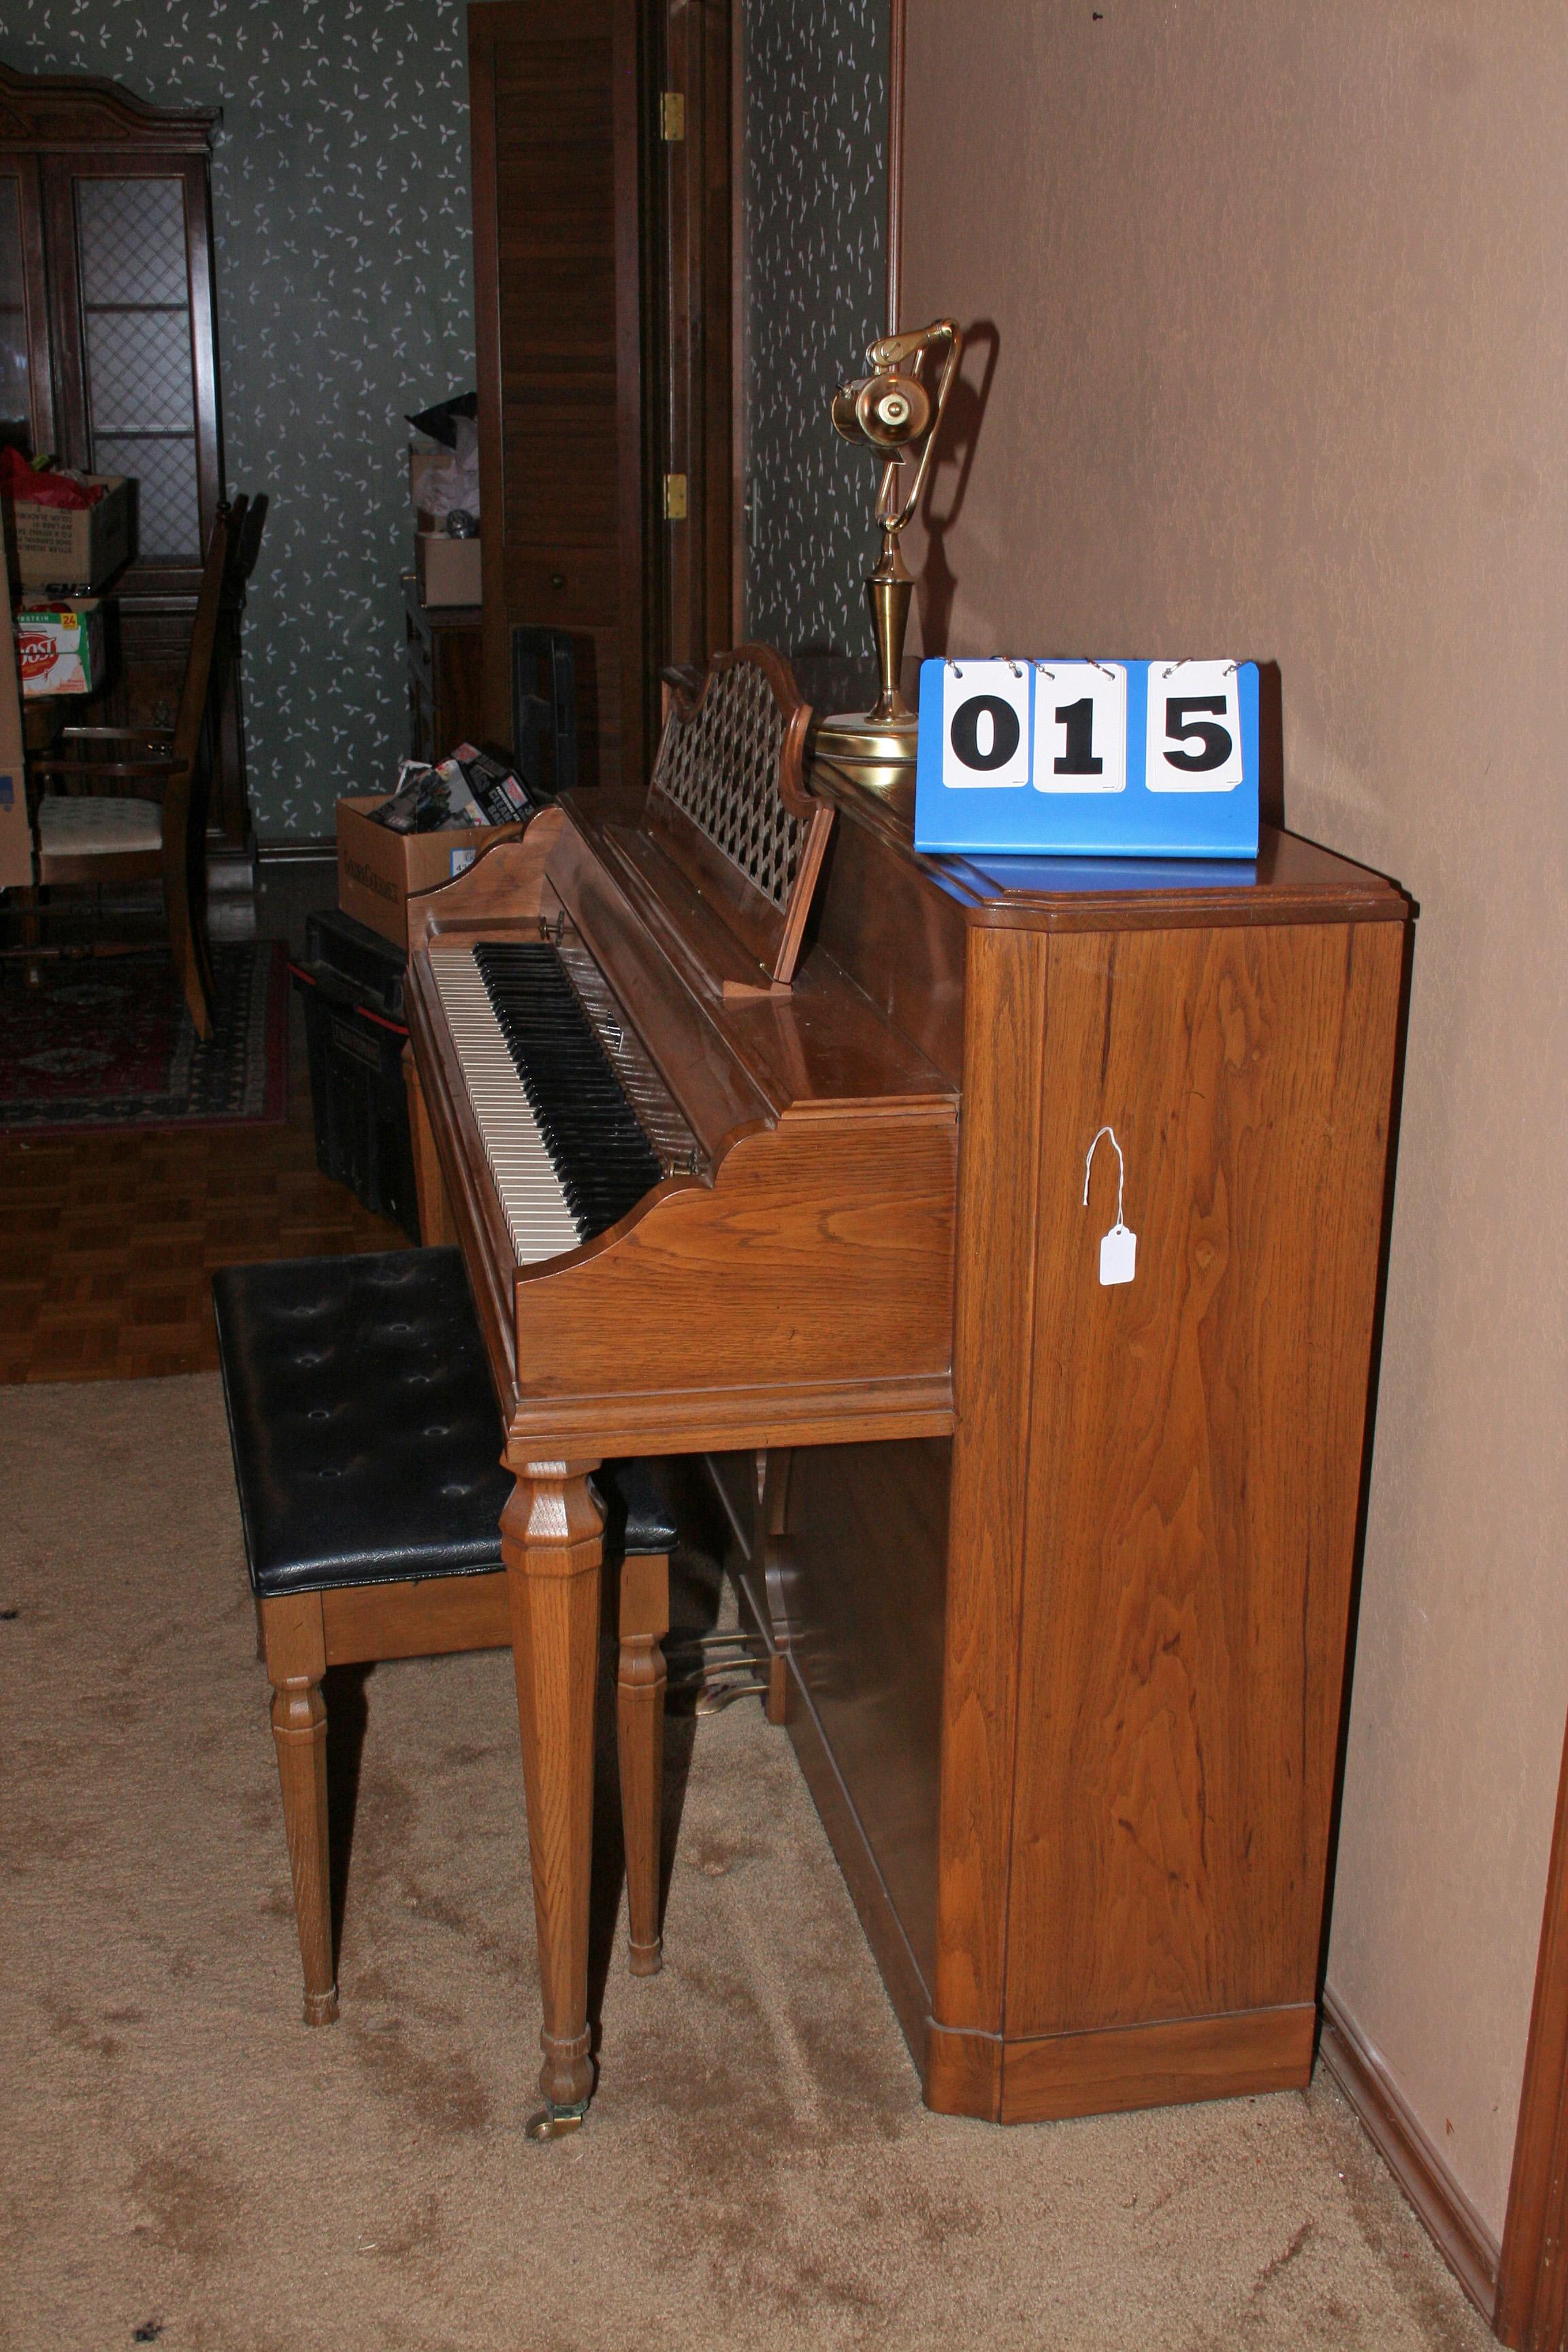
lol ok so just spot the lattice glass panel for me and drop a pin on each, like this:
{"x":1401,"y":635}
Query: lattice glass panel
{"x":722,"y":768}
{"x":168,"y":520}
{"x":131,"y":237}
{"x":16,"y":388}
{"x":139,"y":372}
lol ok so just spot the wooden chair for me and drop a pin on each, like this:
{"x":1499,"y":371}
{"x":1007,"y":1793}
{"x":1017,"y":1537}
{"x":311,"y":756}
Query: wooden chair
{"x":365,"y":1445}
{"x":142,"y":816}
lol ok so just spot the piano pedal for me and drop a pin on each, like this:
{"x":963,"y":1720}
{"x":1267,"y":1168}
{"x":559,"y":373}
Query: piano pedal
{"x":716,"y":1696}
{"x":720,"y":1667}
{"x":554,"y":2123}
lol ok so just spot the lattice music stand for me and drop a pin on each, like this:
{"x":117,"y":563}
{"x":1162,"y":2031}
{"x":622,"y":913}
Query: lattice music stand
{"x":729,"y":806}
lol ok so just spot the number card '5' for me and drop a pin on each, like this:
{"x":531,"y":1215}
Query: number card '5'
{"x":1193,"y":741}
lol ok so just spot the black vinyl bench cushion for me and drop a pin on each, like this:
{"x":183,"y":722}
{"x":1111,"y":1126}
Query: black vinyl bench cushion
{"x":365,"y":1429}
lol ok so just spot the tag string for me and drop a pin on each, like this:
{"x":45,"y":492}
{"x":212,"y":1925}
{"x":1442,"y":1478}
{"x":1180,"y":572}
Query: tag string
{"x":1121,"y":1168}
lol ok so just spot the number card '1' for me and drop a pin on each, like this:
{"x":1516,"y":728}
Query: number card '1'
{"x":1105,"y":758}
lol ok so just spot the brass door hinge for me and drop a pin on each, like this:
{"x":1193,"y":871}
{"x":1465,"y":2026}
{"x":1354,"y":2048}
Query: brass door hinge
{"x":675,"y":498}
{"x":672,"y":114}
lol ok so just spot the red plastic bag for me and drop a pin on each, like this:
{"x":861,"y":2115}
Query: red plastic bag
{"x":20,"y":480}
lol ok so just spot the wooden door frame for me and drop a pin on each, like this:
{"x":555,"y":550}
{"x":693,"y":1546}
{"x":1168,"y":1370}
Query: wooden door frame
{"x":1531,"y":2308}
{"x":692,"y":596}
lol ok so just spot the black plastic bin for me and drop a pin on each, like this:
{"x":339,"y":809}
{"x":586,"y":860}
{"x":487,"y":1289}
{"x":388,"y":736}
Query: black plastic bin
{"x":351,"y":986}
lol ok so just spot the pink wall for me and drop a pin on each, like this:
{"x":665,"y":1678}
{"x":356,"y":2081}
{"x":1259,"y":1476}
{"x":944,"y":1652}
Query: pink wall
{"x":1283,"y":304}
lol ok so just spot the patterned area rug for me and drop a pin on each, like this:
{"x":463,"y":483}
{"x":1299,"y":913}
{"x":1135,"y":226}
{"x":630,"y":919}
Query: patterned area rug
{"x":105,"y":1041}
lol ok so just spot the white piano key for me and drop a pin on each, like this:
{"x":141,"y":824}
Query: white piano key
{"x":540,"y":1225}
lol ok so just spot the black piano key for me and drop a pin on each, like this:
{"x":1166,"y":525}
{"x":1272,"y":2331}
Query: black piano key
{"x":601,"y":1158}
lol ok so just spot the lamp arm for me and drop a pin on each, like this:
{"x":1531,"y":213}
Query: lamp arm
{"x":889,"y":352}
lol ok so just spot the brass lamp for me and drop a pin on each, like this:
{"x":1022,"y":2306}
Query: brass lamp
{"x":890,"y":411}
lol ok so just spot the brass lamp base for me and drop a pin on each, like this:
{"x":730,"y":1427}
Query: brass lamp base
{"x":864,"y":737}
{"x":877,"y":752}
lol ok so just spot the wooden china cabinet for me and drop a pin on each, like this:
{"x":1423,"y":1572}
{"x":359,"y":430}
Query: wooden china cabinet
{"x":108,"y":361}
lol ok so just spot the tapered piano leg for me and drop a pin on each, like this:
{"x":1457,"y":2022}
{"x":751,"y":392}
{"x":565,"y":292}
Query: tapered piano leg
{"x":639,"y":1729}
{"x":295,"y":1660}
{"x":551,"y":1533}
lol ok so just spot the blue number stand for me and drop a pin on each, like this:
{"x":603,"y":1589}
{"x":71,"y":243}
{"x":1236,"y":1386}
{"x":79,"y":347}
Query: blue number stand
{"x":1132,"y":823}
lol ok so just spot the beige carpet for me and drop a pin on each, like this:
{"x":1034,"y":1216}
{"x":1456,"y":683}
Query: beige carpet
{"x":182,"y":2161}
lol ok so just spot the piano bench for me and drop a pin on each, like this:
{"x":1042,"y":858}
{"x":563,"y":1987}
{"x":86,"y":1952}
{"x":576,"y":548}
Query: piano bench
{"x":365,"y":1442}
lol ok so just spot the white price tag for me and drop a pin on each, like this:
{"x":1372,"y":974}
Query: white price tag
{"x":1118,"y":1248}
{"x":1080,"y":727}
{"x":1195,"y":727}
{"x":985,"y":723}
{"x":1118,"y":1252}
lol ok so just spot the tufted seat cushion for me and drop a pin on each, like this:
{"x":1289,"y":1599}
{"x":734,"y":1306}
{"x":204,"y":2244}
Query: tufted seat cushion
{"x":364,"y":1430}
{"x":87,"y":825}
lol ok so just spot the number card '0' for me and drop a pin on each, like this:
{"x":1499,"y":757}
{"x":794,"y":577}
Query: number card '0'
{"x":1101,"y":758}
{"x":986,"y":725}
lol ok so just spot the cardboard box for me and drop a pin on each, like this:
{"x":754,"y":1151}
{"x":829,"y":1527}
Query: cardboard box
{"x":58,"y":547}
{"x":15,"y":836}
{"x":60,"y":647}
{"x":378,"y":871}
{"x":448,"y":568}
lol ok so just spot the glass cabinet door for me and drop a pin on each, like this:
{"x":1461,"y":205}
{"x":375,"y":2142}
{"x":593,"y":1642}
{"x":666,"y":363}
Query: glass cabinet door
{"x":138,"y":366}
{"x":15,"y":381}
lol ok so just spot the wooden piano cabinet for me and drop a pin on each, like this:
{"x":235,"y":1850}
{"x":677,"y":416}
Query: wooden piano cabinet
{"x":1068,"y":1694}
{"x":1057,"y":1575}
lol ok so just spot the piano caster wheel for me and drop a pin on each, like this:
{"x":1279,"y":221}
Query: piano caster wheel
{"x":554,"y":2123}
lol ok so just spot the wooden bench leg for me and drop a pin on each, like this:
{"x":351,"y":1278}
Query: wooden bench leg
{"x":551,"y":1542}
{"x":640,"y":1728}
{"x":295,"y":1660}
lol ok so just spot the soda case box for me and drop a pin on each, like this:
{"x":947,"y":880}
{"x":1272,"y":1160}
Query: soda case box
{"x":60,"y":647}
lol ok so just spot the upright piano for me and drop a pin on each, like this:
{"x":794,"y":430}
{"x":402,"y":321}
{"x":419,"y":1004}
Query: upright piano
{"x":786,"y":1169}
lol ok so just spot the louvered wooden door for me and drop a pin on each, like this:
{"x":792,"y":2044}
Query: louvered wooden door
{"x":555,"y":96}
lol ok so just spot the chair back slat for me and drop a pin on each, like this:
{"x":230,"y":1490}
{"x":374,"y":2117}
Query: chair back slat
{"x":227,"y":526}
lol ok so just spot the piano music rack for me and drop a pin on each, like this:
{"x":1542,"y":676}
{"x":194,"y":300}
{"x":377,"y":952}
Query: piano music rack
{"x":729,"y":806}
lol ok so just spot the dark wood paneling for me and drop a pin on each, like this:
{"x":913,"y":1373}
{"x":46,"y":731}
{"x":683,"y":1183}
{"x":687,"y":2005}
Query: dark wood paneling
{"x":554,"y":99}
{"x":1194,"y":1464}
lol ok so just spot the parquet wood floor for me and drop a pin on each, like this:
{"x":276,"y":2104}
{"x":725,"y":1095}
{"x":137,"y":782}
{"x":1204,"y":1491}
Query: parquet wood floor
{"x":110,"y":1241}
{"x":107,"y":1242}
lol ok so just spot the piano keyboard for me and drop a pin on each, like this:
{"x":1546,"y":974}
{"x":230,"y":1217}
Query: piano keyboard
{"x":568,"y":1152}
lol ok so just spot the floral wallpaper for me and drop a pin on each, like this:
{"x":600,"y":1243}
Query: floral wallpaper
{"x":816,"y":207}
{"x":340,"y":212}
{"x":340,"y":209}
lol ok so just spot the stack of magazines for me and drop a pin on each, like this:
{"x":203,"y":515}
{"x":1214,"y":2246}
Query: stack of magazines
{"x":468,"y":789}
